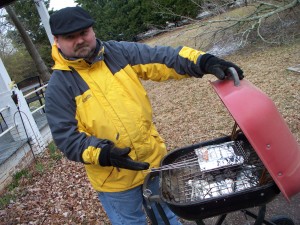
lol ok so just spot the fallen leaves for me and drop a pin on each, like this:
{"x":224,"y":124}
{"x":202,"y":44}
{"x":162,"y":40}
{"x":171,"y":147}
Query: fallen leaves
{"x":61,"y":195}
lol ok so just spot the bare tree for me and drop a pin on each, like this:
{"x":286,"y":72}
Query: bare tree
{"x":6,"y":47}
{"x":271,"y":21}
{"x":261,"y":12}
{"x":39,"y":63}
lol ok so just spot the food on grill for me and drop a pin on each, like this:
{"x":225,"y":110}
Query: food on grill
{"x":218,"y":156}
{"x":214,"y":187}
{"x":221,"y":156}
{"x":221,"y":169}
{"x":202,"y":189}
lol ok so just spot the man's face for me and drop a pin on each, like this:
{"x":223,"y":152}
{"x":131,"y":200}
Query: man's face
{"x":80,"y":44}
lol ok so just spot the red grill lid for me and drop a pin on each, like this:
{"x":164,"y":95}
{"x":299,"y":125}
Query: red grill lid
{"x":266,"y":130}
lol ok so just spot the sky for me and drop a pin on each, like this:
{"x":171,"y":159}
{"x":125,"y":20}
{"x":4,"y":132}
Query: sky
{"x":58,"y":4}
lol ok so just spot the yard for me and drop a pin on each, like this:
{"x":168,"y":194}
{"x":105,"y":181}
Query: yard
{"x":56,"y":191}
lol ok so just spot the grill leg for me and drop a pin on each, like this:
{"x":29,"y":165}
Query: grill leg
{"x":151,"y":215}
{"x":162,"y":213}
{"x":261,"y":215}
{"x":200,"y":222}
{"x":221,"y":219}
{"x":260,"y":218}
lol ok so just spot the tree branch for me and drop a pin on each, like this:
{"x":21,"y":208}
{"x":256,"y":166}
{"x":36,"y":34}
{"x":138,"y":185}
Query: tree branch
{"x":244,"y":26}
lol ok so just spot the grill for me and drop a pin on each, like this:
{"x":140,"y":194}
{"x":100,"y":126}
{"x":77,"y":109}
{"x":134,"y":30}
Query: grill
{"x":198,"y":190}
{"x":212,"y":172}
{"x":243,"y":170}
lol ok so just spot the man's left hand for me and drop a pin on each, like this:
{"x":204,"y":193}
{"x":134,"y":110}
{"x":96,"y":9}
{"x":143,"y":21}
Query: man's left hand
{"x":211,"y":64}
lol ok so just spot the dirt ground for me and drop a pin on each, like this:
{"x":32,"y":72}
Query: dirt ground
{"x":185,"y":112}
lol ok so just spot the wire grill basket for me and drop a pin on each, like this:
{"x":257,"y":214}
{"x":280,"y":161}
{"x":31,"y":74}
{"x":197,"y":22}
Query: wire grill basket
{"x":222,"y":169}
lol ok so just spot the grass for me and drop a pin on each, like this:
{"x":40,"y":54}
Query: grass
{"x":40,"y":167}
{"x":54,"y":152}
{"x":6,"y":199}
{"x":17,"y":177}
{"x":10,"y":195}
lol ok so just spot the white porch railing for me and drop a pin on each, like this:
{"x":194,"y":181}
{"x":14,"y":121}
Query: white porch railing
{"x":23,"y":136}
{"x":39,"y":137}
{"x":36,"y":90}
{"x":7,"y":130}
{"x":4,"y":108}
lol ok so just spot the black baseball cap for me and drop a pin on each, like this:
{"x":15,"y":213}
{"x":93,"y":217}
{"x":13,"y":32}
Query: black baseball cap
{"x":69,"y":20}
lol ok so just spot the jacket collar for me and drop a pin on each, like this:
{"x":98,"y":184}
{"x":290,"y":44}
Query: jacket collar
{"x":63,"y":63}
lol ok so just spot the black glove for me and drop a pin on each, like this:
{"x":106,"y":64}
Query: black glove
{"x":210,"y":64}
{"x":118,"y":157}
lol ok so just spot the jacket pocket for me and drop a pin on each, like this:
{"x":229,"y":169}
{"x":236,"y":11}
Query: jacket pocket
{"x":98,"y":175}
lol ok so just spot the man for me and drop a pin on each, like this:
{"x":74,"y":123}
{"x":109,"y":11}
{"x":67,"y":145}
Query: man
{"x":99,"y":113}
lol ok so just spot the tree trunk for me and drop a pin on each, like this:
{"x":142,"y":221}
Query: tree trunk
{"x":38,"y":61}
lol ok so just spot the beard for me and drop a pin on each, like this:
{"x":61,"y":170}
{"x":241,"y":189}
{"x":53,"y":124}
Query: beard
{"x":83,"y":51}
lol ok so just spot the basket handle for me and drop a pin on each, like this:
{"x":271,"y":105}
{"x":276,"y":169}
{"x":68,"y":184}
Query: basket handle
{"x":146,"y":192}
{"x":231,"y":73}
{"x":149,"y":197}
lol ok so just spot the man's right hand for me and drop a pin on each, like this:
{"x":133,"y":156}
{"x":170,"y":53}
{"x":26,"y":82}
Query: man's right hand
{"x":118,"y":157}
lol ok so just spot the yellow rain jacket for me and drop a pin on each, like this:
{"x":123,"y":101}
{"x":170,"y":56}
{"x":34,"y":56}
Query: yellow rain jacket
{"x":90,"y":103}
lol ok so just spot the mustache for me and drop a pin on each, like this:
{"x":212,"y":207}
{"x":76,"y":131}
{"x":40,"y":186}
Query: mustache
{"x":80,"y":46}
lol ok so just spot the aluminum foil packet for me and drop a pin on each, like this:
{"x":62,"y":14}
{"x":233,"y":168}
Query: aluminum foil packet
{"x":246,"y":178}
{"x":214,"y":157}
{"x":203,"y":189}
{"x":211,"y":187}
{"x":236,"y":176}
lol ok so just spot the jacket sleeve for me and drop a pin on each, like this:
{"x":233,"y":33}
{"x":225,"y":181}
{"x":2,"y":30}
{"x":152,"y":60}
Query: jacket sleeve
{"x":61,"y":115}
{"x":160,"y":62}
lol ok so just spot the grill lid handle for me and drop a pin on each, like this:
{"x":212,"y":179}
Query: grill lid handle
{"x":231,"y":73}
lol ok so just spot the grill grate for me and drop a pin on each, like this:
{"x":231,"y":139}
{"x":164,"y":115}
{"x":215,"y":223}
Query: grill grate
{"x":190,"y":184}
